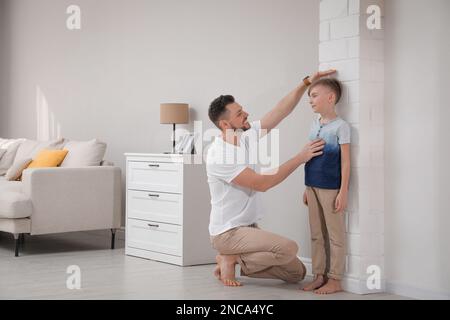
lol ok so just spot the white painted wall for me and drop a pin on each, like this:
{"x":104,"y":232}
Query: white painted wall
{"x":108,"y":79}
{"x":417,"y":218}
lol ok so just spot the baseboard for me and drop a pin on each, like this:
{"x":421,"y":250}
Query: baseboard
{"x":414,"y":292}
{"x":120,"y":233}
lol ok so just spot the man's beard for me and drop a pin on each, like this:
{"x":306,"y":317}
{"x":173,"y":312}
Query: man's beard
{"x":242,"y":128}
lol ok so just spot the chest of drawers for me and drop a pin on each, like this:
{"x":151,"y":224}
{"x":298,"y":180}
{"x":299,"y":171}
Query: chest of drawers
{"x":167,"y":209}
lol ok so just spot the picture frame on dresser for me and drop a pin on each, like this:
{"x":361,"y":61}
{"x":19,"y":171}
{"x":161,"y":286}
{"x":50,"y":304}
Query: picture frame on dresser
{"x":186,"y":144}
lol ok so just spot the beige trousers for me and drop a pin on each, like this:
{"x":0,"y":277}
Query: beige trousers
{"x":262,"y":254}
{"x":327,"y":233}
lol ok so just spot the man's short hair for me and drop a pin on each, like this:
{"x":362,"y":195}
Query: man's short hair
{"x":218,"y":108}
{"x":331,"y":83}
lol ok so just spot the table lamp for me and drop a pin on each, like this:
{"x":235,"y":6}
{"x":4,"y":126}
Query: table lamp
{"x":174,"y":113}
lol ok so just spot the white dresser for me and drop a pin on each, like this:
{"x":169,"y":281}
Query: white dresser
{"x":167,"y":209}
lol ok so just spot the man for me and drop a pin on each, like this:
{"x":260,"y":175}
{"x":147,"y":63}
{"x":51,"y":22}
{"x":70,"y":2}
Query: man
{"x":235,"y":188}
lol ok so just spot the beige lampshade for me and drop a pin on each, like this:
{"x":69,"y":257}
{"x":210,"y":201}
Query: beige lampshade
{"x":174,"y":113}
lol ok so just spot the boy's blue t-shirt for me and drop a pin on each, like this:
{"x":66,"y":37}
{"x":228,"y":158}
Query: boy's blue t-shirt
{"x":325,"y":171}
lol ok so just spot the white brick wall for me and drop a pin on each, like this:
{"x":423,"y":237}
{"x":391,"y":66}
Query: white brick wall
{"x":353,"y":91}
{"x":331,"y":9}
{"x":344,"y":27}
{"x":333,"y":50}
{"x":348,"y":111}
{"x":353,"y":222}
{"x":353,"y":48}
{"x":348,"y":69}
{"x":358,"y":54}
{"x":353,"y":7}
{"x":324,"y":31}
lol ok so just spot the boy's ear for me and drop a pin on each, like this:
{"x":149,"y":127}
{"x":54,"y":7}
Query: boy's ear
{"x":332,"y":97}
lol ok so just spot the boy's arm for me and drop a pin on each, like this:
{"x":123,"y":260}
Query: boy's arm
{"x":341,"y":200}
{"x":288,"y":103}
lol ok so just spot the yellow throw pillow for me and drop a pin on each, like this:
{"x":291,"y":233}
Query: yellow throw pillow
{"x":48,"y":158}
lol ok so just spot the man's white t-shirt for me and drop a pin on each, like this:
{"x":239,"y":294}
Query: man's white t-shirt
{"x":231,"y":205}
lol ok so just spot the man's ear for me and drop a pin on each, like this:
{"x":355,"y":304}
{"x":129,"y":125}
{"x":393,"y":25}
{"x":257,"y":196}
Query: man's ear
{"x":224,"y":125}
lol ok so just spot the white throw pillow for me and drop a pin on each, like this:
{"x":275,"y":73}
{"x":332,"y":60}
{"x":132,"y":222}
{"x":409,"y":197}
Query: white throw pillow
{"x":10,"y":146}
{"x":2,"y":152}
{"x":16,"y":169}
{"x":30,"y":148}
{"x":84,"y":153}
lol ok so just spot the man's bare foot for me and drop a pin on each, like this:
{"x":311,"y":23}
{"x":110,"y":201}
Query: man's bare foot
{"x":332,"y":286}
{"x":217,"y":272}
{"x":227,"y":270}
{"x":316,"y":283}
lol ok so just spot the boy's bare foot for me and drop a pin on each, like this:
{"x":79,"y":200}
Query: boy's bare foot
{"x":316,"y":283}
{"x":217,"y":272}
{"x":332,"y":286}
{"x":227,"y":271}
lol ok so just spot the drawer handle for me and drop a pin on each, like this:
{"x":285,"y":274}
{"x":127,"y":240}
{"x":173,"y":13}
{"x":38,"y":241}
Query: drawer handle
{"x":153,"y":195}
{"x":153,"y":225}
{"x":154,"y":165}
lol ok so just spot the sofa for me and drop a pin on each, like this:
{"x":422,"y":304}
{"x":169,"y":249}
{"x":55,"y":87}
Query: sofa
{"x":83,"y":193}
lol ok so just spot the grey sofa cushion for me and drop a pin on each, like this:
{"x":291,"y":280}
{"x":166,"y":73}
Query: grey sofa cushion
{"x":6,"y":185}
{"x":11,"y":146}
{"x":16,"y":169}
{"x":30,"y":148}
{"x":14,"y":205}
{"x":84,"y":153}
{"x":13,"y":202}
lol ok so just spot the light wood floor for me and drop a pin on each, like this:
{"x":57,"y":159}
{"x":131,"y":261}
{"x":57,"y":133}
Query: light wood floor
{"x":40,"y":273}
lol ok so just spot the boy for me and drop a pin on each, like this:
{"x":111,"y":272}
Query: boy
{"x":327,"y":180}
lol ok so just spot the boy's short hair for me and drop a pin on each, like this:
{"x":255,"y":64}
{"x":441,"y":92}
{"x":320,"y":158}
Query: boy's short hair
{"x":218,"y":108}
{"x":331,"y":83}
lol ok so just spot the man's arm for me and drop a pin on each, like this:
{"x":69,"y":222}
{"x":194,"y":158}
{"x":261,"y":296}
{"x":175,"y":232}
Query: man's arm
{"x":283,"y":108}
{"x":251,"y":180}
{"x":288,"y":103}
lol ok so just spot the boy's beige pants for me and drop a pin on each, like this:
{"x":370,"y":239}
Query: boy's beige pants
{"x":262,"y":254}
{"x":327,"y":233}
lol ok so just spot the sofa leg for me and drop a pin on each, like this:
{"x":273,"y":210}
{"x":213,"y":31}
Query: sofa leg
{"x":22,"y":239}
{"x":113,"y":238}
{"x":17,"y":243}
